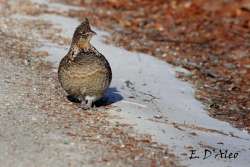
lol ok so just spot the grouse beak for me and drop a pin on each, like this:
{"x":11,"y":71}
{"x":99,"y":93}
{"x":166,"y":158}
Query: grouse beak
{"x":92,"y":32}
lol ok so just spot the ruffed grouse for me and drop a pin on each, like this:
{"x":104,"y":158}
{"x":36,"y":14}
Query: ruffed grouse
{"x":84,"y":73}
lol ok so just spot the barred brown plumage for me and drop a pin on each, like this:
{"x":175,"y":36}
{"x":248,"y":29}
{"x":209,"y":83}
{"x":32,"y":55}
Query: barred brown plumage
{"x":84,"y":73}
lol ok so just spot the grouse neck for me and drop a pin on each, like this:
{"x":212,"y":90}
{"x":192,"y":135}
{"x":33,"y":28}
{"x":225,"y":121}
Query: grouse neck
{"x":81,"y":44}
{"x":75,"y":49}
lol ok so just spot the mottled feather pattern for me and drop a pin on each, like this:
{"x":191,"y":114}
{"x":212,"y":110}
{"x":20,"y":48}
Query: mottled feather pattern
{"x":87,"y":73}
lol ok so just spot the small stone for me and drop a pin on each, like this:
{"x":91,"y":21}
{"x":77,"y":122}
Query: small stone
{"x":164,"y":55}
{"x":230,"y":65}
{"x":157,"y":116}
{"x":183,"y":71}
{"x":65,"y":142}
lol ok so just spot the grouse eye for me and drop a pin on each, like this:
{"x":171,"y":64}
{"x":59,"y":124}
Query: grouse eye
{"x":82,"y":33}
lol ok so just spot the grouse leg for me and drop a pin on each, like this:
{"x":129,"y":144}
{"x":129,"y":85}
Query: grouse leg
{"x":89,"y":103}
{"x":90,"y":100}
{"x":83,"y":106}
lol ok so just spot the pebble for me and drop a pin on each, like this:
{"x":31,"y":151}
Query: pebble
{"x":157,"y":116}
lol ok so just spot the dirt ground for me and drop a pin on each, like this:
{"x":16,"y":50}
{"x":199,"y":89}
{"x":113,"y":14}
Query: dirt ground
{"x":38,"y":125}
{"x":209,"y":38}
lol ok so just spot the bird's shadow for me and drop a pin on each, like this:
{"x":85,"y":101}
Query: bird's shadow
{"x":111,"y":96}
